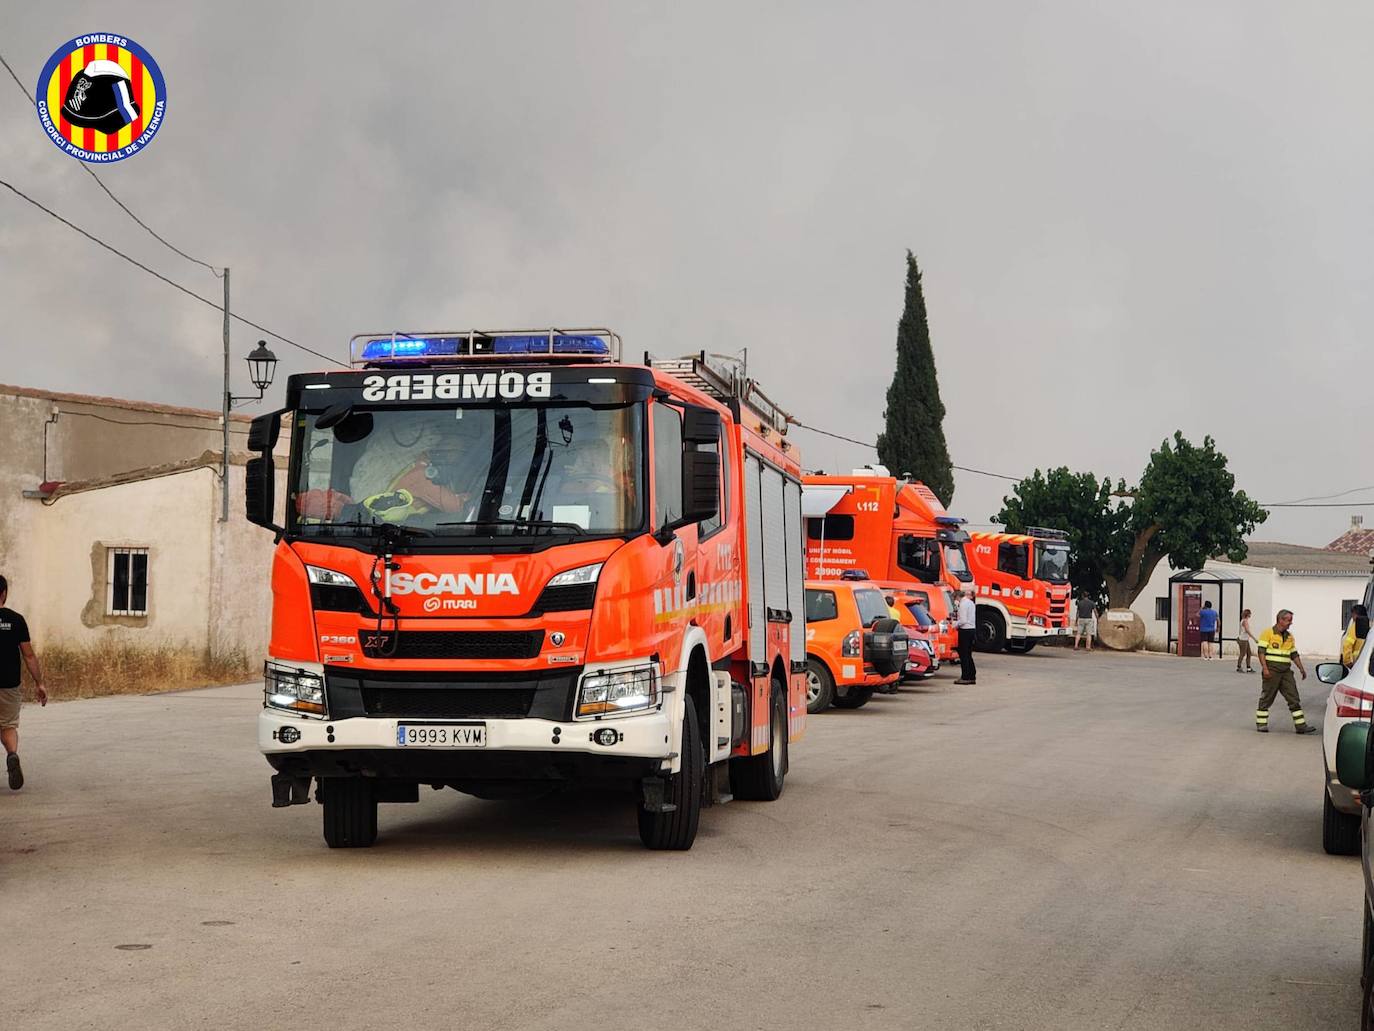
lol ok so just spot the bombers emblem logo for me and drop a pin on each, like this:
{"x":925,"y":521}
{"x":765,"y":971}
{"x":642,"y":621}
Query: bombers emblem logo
{"x":101,"y":97}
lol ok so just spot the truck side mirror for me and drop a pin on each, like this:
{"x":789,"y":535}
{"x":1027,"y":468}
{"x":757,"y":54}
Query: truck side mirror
{"x":700,"y":425}
{"x":264,"y":432}
{"x":1352,"y":753}
{"x":700,"y":486}
{"x":260,"y":476}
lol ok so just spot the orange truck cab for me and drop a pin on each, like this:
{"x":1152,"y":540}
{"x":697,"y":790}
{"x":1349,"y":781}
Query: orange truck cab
{"x":852,"y":644}
{"x":896,"y":529}
{"x":511,"y":560}
{"x":1023,"y":587}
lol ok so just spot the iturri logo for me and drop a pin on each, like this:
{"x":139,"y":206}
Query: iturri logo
{"x":101,"y":97}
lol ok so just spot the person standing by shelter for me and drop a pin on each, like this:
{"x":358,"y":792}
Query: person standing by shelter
{"x":15,"y":649}
{"x":1243,"y":638}
{"x":966,"y":620}
{"x":1278,"y":654}
{"x":1207,"y":621}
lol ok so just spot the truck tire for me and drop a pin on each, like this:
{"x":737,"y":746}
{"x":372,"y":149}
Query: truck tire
{"x":1340,"y":831}
{"x":820,"y":686}
{"x":857,"y":698}
{"x":990,"y":632}
{"x":675,"y":831}
{"x":350,"y":812}
{"x":759,"y":778}
{"x":1022,"y":646}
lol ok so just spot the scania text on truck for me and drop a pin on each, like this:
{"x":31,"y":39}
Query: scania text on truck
{"x":1023,"y":587}
{"x":895,"y":529}
{"x":509,"y":561}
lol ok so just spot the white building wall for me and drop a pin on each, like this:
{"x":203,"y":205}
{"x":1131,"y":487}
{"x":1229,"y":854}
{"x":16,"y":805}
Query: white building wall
{"x":209,"y":583}
{"x":1316,"y":604}
{"x":1258,"y":583}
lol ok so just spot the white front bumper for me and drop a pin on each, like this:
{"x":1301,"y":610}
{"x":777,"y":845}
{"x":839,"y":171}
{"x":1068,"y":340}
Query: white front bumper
{"x":644,"y":736}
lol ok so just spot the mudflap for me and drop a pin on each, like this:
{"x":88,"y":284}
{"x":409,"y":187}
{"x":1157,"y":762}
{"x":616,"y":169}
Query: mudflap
{"x":288,"y":790}
{"x":718,"y":784}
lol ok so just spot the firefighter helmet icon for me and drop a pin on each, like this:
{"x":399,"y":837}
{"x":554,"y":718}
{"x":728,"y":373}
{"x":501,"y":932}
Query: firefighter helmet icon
{"x":100,"y":98}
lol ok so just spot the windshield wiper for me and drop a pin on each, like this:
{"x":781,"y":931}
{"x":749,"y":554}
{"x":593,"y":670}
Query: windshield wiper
{"x":357,"y":524}
{"x":532,"y":524}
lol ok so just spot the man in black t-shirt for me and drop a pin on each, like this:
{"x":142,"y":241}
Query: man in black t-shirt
{"x":14,"y":647}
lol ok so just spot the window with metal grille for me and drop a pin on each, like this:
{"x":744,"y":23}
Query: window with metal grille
{"x":1162,"y":609}
{"x":126,"y":581}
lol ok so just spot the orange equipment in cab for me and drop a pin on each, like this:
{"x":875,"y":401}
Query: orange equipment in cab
{"x":1023,"y":587}
{"x":852,"y":647}
{"x":510,"y":560}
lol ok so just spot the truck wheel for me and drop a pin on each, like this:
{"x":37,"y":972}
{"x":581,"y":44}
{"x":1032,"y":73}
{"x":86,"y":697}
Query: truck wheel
{"x":675,"y":831}
{"x":350,"y":812}
{"x":1340,"y":831}
{"x":759,"y":778}
{"x":820,"y":687}
{"x":857,"y":698}
{"x":1021,"y":647}
{"x":990,"y":633}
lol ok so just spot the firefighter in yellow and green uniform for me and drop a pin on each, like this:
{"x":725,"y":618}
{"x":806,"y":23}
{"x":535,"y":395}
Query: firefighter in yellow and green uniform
{"x":1278,"y":654}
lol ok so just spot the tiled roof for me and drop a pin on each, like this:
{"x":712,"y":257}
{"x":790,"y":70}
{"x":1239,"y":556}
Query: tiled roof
{"x":1298,"y":558}
{"x":1354,"y":542}
{"x":116,"y":402}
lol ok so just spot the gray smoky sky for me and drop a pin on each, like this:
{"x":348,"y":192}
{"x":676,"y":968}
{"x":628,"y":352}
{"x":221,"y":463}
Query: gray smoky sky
{"x":1131,"y":218}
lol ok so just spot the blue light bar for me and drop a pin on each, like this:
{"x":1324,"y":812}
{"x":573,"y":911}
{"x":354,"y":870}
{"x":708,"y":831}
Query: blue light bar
{"x":412,"y":347}
{"x":950,"y":520}
{"x":562,"y":344}
{"x":407,"y":347}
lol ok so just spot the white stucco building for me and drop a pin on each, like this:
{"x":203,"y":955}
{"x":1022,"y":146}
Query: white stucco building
{"x":110,"y":525}
{"x":1318,"y":584}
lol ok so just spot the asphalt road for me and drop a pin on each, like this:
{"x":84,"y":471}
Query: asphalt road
{"x":1077,"y":842}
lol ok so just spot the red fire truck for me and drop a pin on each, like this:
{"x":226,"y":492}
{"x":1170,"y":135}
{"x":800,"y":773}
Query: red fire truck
{"x":509,"y":560}
{"x":1023,"y":587}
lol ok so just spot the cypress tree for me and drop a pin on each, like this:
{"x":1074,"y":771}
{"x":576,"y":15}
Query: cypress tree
{"x":913,"y":438}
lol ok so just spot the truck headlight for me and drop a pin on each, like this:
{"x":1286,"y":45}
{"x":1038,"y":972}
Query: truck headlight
{"x":328,"y":577}
{"x":612,"y":691}
{"x":295,"y":690}
{"x":577,"y":577}
{"x":1037,"y":620}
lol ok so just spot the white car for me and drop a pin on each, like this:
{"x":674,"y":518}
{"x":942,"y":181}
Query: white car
{"x":1352,"y":698}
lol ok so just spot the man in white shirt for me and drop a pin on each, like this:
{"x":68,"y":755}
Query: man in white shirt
{"x":966,"y":619}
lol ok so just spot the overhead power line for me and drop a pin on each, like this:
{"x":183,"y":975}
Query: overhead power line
{"x":100,"y":182}
{"x":874,"y":447}
{"x":158,"y":275}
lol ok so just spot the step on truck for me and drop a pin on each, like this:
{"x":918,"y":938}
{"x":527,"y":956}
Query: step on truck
{"x":1023,"y":587}
{"x":510,"y":561}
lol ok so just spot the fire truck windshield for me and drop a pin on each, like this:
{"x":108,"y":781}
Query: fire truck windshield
{"x":470,"y":471}
{"x":955,"y":562}
{"x":1052,"y":562}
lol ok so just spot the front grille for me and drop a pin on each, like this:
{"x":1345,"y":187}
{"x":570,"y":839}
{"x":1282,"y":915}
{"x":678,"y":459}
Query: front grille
{"x":448,"y":702}
{"x":539,"y":694}
{"x":573,"y":598}
{"x":446,"y":644}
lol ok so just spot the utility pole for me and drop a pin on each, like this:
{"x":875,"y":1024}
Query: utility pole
{"x":228,"y":402}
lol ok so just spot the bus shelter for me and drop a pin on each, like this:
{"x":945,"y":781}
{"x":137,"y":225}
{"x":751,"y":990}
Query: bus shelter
{"x":1187,"y":591}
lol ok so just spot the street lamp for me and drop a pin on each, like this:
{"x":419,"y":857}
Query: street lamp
{"x":262,"y":366}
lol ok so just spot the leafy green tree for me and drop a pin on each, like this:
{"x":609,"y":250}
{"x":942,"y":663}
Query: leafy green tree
{"x":913,"y":437}
{"x":1186,"y":510}
{"x":1084,"y":507}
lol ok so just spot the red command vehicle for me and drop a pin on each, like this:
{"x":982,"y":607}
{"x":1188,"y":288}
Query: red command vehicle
{"x":511,"y":560}
{"x":1023,"y":587}
{"x":895,"y":529}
